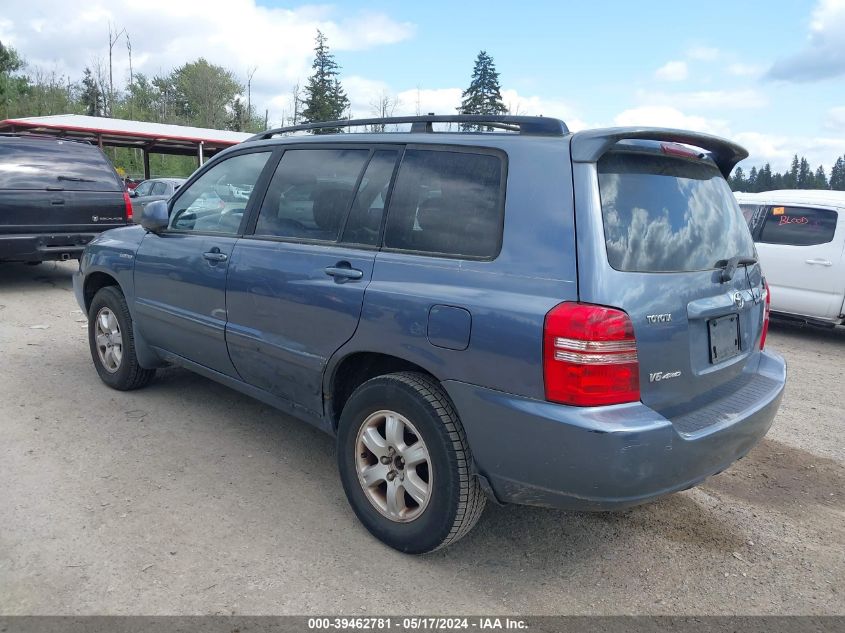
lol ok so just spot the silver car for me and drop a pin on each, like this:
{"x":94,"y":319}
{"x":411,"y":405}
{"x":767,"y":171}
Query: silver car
{"x":153,"y":189}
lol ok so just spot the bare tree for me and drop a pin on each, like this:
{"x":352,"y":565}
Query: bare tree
{"x":99,"y":72}
{"x":113,"y":37}
{"x":249,"y":75}
{"x":296,"y":103}
{"x":383,"y":106}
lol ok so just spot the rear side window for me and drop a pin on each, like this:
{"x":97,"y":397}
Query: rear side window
{"x":310,"y":193}
{"x":665,"y":214}
{"x":448,"y":203}
{"x":29,"y":164}
{"x":798,"y":226}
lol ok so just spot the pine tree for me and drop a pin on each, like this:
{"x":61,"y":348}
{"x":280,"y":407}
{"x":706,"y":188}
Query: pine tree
{"x":820,"y":179}
{"x":837,"y":175}
{"x":752,"y":180}
{"x":805,"y":176}
{"x":92,"y":96}
{"x":790,"y":178}
{"x":764,"y":178}
{"x":484,"y":95}
{"x":737,"y":181}
{"x":325,"y":99}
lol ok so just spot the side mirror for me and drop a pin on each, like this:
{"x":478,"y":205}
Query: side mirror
{"x":154,"y":216}
{"x":133,"y":193}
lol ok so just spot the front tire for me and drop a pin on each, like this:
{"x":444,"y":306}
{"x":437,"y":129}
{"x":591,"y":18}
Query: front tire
{"x":112,"y":344}
{"x":405,"y":462}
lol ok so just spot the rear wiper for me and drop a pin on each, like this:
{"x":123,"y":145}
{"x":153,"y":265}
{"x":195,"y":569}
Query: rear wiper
{"x":729,"y":266}
{"x":73,"y":178}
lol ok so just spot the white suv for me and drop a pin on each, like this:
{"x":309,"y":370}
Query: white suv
{"x":800,"y":238}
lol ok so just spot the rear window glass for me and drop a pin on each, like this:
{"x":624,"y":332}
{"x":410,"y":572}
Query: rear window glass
{"x":28,"y":164}
{"x":798,"y":226}
{"x":665,"y":214}
{"x":446,"y":202}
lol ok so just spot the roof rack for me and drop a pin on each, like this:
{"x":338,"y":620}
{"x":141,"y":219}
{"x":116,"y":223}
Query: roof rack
{"x":528,"y":125}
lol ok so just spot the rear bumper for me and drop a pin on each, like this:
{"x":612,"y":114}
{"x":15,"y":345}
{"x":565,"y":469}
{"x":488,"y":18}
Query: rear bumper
{"x":603,"y":458}
{"x":37,"y":247}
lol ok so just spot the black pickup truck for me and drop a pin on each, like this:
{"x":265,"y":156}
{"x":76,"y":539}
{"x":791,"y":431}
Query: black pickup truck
{"x":56,"y":195}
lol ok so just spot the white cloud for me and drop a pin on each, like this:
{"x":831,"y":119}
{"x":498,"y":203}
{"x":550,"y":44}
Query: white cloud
{"x":237,"y":34}
{"x":740,"y":69}
{"x":706,"y":99}
{"x":672,"y":71}
{"x":779,"y":150}
{"x":835,"y":120}
{"x":704,"y":53}
{"x":823,"y":56}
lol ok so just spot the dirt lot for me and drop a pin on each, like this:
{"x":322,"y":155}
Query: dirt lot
{"x":189,"y":498}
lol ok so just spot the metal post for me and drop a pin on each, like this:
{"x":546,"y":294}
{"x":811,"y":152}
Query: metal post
{"x":146,"y":153}
{"x":200,"y":157}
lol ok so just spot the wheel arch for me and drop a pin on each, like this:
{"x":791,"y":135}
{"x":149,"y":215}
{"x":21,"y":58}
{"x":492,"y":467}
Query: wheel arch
{"x":94,"y":282}
{"x":353,"y":370}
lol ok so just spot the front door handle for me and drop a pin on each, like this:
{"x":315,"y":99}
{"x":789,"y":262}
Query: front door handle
{"x":820,"y":262}
{"x":214,"y":255}
{"x":57,"y":201}
{"x":343,"y":272}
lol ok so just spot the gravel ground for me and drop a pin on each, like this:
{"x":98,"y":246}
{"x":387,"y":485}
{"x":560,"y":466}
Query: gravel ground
{"x":188,"y":498}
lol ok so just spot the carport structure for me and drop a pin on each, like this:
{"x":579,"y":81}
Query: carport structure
{"x":150,"y":138}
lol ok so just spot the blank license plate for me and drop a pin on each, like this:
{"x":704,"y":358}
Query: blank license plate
{"x":724,"y":337}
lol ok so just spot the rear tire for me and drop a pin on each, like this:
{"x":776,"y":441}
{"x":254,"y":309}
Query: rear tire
{"x":405,"y":463}
{"x":112,"y":343}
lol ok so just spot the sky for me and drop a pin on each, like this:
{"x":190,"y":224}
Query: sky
{"x":769,"y":75}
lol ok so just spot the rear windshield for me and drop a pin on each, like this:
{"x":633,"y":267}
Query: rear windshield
{"x":665,"y":214}
{"x":31,"y":164}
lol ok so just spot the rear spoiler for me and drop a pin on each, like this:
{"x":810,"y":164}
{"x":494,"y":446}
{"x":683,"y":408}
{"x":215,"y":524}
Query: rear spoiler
{"x":590,"y":145}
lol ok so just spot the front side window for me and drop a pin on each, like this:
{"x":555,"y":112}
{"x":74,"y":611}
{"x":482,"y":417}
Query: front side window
{"x":217,"y":200}
{"x":665,"y":214}
{"x":798,"y":226}
{"x":448,"y":203}
{"x":310,"y":193}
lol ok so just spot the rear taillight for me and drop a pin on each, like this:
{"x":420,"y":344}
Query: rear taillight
{"x":590,"y":356}
{"x":767,"y":306}
{"x":127,"y":202}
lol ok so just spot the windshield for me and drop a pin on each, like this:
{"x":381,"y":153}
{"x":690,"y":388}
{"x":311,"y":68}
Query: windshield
{"x":664,"y":214}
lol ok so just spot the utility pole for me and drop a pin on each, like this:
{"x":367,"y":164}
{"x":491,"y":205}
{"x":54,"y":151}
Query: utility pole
{"x":131,"y":76}
{"x":249,"y":75}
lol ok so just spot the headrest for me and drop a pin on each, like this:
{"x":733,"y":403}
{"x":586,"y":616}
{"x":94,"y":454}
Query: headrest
{"x":329,"y":207}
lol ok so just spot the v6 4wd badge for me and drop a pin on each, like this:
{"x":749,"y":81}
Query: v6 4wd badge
{"x":657,"y":376}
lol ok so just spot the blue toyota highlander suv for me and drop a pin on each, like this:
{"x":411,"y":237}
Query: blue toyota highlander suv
{"x":505,"y":310}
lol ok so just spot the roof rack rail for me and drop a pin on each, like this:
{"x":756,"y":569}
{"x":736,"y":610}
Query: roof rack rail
{"x":528,"y":125}
{"x":52,"y":137}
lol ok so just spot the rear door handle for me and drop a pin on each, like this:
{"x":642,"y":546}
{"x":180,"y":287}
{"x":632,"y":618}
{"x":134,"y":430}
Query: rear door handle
{"x":57,"y":201}
{"x":820,"y":262}
{"x":343,"y":271}
{"x":214,"y":255}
